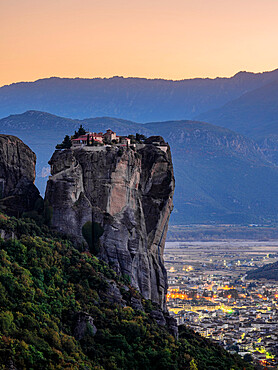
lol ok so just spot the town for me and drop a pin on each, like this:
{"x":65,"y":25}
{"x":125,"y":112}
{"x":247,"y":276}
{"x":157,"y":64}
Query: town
{"x":208,"y":291}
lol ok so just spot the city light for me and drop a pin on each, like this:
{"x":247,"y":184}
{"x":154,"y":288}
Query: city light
{"x":222,"y":304}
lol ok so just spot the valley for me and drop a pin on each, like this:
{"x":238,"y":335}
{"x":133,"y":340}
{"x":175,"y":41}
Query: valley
{"x":209,"y":291}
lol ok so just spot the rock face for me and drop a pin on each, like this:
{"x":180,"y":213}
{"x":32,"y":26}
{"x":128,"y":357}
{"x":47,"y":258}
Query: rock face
{"x":17,"y":175}
{"x":83,"y":323}
{"x":128,"y":193}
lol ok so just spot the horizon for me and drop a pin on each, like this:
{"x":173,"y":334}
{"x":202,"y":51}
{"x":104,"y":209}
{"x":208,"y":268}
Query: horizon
{"x":138,"y":77}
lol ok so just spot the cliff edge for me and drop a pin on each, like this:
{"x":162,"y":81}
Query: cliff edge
{"x":123,"y":197}
{"x":18,"y":193}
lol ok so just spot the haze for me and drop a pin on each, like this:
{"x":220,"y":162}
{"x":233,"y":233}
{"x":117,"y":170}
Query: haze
{"x":174,"y":39}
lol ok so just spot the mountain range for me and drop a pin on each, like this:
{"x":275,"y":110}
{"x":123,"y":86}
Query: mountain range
{"x":221,"y":176}
{"x":137,"y":99}
{"x":223,"y":133}
{"x":254,"y":114}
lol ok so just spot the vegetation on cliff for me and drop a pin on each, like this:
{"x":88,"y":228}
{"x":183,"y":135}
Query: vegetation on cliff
{"x":47,"y":287}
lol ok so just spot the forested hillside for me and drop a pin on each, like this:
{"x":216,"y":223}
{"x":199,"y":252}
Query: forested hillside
{"x":63,"y":308}
{"x":269,"y":271}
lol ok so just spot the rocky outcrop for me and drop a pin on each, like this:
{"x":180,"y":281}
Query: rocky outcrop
{"x":17,"y":175}
{"x":128,"y":195}
{"x":83,"y":323}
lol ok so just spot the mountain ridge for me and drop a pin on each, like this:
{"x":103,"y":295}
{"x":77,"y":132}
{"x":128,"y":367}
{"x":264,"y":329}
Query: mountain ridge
{"x":253,"y":113}
{"x":217,"y":170}
{"x":137,"y":99}
{"x":236,"y":75}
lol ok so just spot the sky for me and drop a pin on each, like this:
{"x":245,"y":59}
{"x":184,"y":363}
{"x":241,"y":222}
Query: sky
{"x":171,"y":39}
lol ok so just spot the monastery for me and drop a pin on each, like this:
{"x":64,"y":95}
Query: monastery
{"x":108,"y":137}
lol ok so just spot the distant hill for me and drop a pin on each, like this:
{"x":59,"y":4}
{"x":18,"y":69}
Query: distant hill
{"x":269,"y":271}
{"x":269,"y":146}
{"x":136,"y":99}
{"x":221,"y":176}
{"x":121,"y":126}
{"x":254,"y":114}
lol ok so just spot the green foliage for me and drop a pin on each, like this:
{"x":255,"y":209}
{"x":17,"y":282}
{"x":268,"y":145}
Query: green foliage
{"x":45,"y":282}
{"x":140,"y":138}
{"x":193,"y":365}
{"x":137,"y":139}
{"x":206,"y":354}
{"x":268,"y":271}
{"x":132,"y":139}
{"x":79,"y":132}
{"x":91,"y":233}
{"x":7,"y":322}
{"x":47,"y":213}
{"x":105,"y":140}
{"x":87,"y":232}
{"x":42,"y":213}
{"x":126,"y":278}
{"x":66,"y":143}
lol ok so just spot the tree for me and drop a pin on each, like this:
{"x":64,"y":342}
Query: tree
{"x":193,"y":365}
{"x":6,"y":322}
{"x":79,"y":132}
{"x":132,"y":139}
{"x":140,"y":137}
{"x":66,"y":143}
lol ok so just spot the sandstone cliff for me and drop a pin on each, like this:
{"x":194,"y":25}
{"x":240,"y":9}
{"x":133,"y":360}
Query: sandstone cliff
{"x":17,"y":175}
{"x":128,"y":193}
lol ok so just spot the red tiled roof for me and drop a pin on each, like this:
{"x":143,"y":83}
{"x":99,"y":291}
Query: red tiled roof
{"x":109,"y":131}
{"x":94,"y":135}
{"x":78,"y":139}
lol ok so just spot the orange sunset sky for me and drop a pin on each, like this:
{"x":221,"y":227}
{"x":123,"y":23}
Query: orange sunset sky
{"x":173,"y":39}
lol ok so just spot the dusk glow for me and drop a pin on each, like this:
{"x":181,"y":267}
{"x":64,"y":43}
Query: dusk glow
{"x":159,"y":39}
